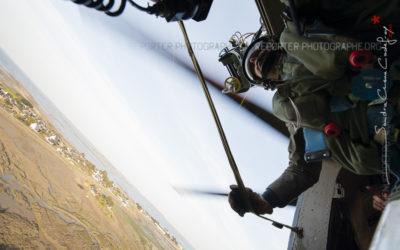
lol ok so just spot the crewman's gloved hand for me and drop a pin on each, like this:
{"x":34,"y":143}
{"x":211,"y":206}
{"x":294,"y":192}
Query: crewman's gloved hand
{"x":259,"y":205}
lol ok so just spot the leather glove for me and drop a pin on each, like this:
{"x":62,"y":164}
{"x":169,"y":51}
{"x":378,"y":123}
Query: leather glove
{"x":238,"y":204}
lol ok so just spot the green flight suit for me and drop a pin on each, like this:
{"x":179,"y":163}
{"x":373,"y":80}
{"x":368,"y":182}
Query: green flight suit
{"x":313,"y":79}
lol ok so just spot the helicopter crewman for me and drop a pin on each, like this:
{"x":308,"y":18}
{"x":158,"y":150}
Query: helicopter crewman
{"x":313,"y":85}
{"x":301,"y":100}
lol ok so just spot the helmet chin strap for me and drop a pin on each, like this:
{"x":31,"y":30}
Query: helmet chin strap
{"x":269,"y":84}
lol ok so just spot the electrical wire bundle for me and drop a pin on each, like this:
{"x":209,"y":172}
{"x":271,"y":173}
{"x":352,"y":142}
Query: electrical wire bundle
{"x":103,"y":5}
{"x":171,"y":10}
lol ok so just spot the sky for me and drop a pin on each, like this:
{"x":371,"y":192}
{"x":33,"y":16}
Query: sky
{"x":149,"y":116}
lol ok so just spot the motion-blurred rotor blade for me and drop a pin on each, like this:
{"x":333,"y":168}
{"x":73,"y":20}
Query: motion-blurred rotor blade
{"x":191,"y":191}
{"x":253,"y":108}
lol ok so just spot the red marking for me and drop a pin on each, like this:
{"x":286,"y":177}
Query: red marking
{"x":360,"y":58}
{"x":390,"y":31}
{"x":332,"y":129}
{"x":375,"y":19}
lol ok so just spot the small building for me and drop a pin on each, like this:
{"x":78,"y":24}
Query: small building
{"x":6,"y":94}
{"x":38,"y":126}
{"x":97,"y":175}
{"x":34,"y":126}
{"x":53,"y":140}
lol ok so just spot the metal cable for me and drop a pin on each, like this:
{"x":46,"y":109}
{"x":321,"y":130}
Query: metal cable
{"x":213,"y":110}
{"x":228,"y":152}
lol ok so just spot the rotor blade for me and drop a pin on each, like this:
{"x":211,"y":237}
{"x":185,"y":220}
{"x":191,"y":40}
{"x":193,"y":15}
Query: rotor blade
{"x":191,"y":191}
{"x":253,"y":108}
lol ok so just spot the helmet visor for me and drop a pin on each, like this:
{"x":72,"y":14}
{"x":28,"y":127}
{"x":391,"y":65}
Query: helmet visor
{"x":259,"y":59}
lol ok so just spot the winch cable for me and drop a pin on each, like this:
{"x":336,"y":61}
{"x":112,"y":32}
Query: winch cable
{"x":228,"y":152}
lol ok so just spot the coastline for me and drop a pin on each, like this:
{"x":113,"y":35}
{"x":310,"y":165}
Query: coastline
{"x":43,"y":176}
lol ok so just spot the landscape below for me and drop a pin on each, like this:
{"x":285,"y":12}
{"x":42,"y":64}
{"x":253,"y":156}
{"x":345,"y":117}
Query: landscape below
{"x":51,"y":196}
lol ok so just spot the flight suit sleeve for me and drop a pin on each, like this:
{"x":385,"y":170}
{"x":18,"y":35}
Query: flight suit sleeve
{"x":324,"y":56}
{"x":297,"y":178}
